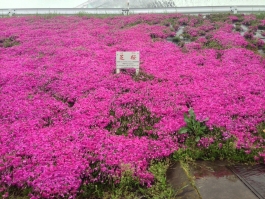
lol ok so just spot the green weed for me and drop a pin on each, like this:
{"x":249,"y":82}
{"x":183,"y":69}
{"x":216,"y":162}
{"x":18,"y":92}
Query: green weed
{"x":193,"y":127}
{"x":129,"y":186}
{"x":217,"y":147}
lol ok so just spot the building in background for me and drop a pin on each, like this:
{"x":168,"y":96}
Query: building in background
{"x":165,"y":3}
{"x":121,"y":3}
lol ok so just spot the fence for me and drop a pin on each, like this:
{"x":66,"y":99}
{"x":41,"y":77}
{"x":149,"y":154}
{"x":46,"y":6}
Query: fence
{"x":184,"y":10}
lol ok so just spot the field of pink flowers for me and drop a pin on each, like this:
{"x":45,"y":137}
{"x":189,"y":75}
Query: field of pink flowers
{"x":67,"y":119}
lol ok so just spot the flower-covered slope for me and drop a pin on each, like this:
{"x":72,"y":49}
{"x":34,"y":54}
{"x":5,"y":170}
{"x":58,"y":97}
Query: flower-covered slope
{"x":61,"y":102}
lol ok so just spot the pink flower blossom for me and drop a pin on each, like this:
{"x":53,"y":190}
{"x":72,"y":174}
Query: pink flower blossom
{"x":59,"y":93}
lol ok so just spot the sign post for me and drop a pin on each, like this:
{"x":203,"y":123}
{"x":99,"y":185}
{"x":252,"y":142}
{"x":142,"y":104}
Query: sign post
{"x":127,"y":60}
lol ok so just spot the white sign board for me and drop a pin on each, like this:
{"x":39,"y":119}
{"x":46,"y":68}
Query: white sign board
{"x":127,"y":60}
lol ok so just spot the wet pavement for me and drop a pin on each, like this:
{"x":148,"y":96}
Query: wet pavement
{"x":253,"y":177}
{"x":216,"y":180}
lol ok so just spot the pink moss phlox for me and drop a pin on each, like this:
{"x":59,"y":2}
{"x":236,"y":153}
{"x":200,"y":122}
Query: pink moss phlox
{"x":227,"y":39}
{"x":248,"y":19}
{"x":58,"y":87}
{"x":233,"y":18}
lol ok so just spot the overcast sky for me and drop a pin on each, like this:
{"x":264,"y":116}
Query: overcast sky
{"x":40,"y":3}
{"x":75,"y":3}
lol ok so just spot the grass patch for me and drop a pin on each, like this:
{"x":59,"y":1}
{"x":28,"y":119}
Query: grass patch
{"x":216,"y":151}
{"x":49,"y":15}
{"x":14,"y":192}
{"x":260,"y":15}
{"x":88,"y":15}
{"x":218,"y":17}
{"x":160,"y":189}
{"x":125,"y":186}
{"x":8,"y":42}
{"x":261,"y":128}
{"x":130,"y":187}
{"x":213,"y":44}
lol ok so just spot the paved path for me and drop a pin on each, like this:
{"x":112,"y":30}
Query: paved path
{"x":208,"y":180}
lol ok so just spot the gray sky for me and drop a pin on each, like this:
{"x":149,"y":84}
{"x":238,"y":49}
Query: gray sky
{"x":75,"y":3}
{"x":40,"y":3}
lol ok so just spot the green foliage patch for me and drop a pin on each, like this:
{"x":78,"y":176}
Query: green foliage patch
{"x":8,"y":42}
{"x":217,"y":145}
{"x":213,"y":44}
{"x":128,"y":186}
{"x":140,"y":120}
